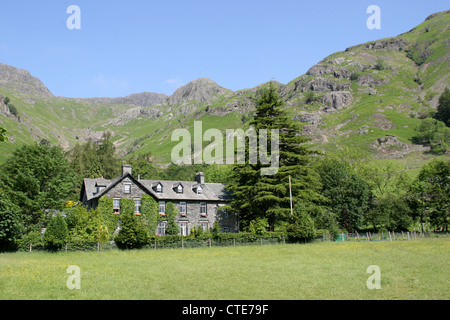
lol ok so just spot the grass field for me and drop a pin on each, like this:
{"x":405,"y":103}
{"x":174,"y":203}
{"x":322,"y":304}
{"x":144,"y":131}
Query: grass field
{"x":418,"y":269}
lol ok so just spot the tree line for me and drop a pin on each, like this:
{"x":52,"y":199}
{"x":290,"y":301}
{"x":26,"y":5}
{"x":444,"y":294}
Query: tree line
{"x":310,"y":193}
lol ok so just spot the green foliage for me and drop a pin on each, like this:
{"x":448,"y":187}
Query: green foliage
{"x":325,"y":219}
{"x":143,"y":167}
{"x":56,"y":234}
{"x":348,"y":195}
{"x":12,"y":108}
{"x":2,"y":134}
{"x":106,"y":215}
{"x":37,"y":177}
{"x":171,"y":213}
{"x":86,"y":226}
{"x":429,"y":196}
{"x":10,"y":226}
{"x":302,"y":225}
{"x":149,"y":213}
{"x":443,"y":108}
{"x":434,"y":132}
{"x":380,"y":64}
{"x":6,"y":100}
{"x":268,"y":196}
{"x":93,"y":160}
{"x":133,"y":233}
{"x":258,"y":226}
{"x":310,"y":96}
{"x":390,"y":212}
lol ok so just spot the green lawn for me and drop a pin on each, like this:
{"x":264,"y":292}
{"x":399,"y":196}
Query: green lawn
{"x":416,"y":269}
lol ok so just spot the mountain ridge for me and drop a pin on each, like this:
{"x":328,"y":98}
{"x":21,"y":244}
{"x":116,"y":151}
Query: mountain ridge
{"x":351,"y":97}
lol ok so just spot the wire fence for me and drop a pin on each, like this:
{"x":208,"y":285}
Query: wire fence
{"x":383,"y":236}
{"x":180,"y":242}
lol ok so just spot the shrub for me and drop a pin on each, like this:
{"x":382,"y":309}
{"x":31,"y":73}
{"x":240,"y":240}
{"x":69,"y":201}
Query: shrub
{"x":310,"y":96}
{"x":12,"y":108}
{"x":302,"y":227}
{"x":56,"y":233}
{"x":133,"y":233}
{"x":380,"y":64}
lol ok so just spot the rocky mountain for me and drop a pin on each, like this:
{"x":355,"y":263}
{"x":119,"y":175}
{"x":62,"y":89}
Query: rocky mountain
{"x":22,"y":81}
{"x":143,"y":99}
{"x":202,"y":90}
{"x":369,"y":96}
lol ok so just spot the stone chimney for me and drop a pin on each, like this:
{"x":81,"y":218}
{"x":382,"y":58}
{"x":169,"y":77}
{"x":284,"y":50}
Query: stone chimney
{"x":200,"y":177}
{"x":126,"y":168}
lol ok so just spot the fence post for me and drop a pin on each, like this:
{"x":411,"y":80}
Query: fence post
{"x":234,"y":242}
{"x":209,"y":239}
{"x":403,"y":235}
{"x":260,"y":241}
{"x":155,"y":243}
{"x":408,"y":235}
{"x":66,"y":247}
{"x":98,"y":245}
{"x":31,"y":246}
{"x":390,"y":238}
{"x":182,"y":243}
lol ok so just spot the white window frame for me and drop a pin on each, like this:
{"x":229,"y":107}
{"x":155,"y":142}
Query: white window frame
{"x":137,"y":206}
{"x":159,"y":188}
{"x":204,"y":225}
{"x":116,"y":206}
{"x":182,"y":207}
{"x":203,"y":208}
{"x":199,"y":190}
{"x":184,"y":230}
{"x":180,"y":189}
{"x":161,"y":228}
{"x":162,"y":204}
{"x":127,"y":188}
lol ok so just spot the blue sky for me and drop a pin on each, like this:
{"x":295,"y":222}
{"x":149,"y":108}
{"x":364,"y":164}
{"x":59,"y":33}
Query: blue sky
{"x":126,"y":47}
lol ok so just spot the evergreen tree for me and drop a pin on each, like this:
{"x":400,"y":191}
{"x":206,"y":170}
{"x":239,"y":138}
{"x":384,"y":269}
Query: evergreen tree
{"x":94,"y":160}
{"x":268,"y":196}
{"x":106,"y":152}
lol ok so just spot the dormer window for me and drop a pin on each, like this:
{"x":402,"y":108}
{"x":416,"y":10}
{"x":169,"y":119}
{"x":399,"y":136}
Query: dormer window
{"x":198,"y":189}
{"x":100,"y":189}
{"x":178,"y":187}
{"x":159,"y":188}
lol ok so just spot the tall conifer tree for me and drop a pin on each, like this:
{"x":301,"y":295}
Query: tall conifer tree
{"x":268,"y":196}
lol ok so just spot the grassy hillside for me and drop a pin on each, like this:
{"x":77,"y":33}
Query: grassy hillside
{"x":350,"y":99}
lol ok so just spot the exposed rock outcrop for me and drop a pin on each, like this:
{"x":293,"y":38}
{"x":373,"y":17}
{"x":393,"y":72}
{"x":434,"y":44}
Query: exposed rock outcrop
{"x":201,"y":90}
{"x":21,"y":80}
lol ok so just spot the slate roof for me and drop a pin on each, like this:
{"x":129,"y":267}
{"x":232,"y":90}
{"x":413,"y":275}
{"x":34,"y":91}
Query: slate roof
{"x":211,"y":191}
